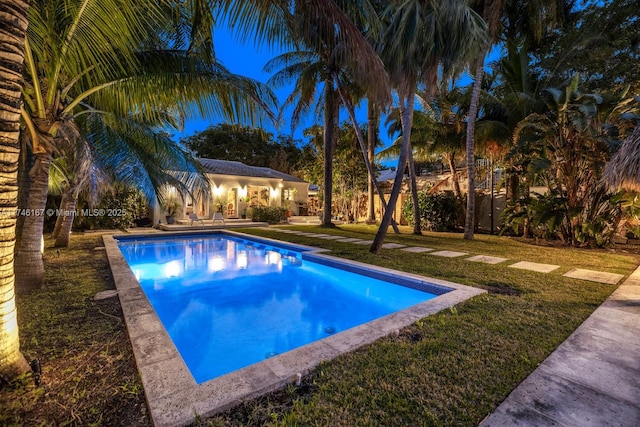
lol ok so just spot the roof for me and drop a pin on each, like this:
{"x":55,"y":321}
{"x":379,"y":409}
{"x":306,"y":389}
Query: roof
{"x":226,"y":167}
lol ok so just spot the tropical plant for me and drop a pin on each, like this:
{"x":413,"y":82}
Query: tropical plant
{"x":569,"y":147}
{"x":171,"y":207}
{"x":13,"y":21}
{"x":312,"y":70}
{"x":108,"y":64}
{"x":245,"y":144}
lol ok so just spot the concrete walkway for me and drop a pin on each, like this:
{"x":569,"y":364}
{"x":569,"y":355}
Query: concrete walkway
{"x":591,"y":379}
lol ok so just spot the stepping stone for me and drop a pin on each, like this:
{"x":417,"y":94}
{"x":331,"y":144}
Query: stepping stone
{"x":487,"y":259}
{"x":594,"y":276}
{"x":322,"y":236}
{"x":105,"y":294}
{"x":332,"y":237}
{"x":534,"y":266}
{"x":349,"y":240}
{"x":448,"y":254}
{"x":392,"y":246}
{"x":363,"y":242}
{"x":417,"y":249}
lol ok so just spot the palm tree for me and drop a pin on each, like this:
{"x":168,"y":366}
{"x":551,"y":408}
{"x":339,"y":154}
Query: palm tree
{"x":438,"y":129}
{"x":333,"y":43}
{"x":421,"y":38}
{"x":313,"y":72}
{"x":99,"y":65}
{"x":373,"y":122}
{"x":13,"y":21}
{"x":538,"y":16}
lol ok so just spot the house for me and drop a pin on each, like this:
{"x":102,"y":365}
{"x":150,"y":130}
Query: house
{"x":236,"y":187}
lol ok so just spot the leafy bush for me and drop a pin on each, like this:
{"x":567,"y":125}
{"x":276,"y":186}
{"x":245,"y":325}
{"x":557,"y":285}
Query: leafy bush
{"x":548,"y":217}
{"x":438,"y":212}
{"x":117,"y":210}
{"x":270,"y":214}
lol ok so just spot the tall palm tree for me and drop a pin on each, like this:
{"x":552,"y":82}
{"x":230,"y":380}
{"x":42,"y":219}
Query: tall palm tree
{"x":438,"y":129}
{"x":100,"y":65}
{"x":420,"y":39}
{"x":329,"y":31}
{"x":313,"y":73}
{"x":13,"y":21}
{"x":538,"y":16}
{"x":373,"y":122}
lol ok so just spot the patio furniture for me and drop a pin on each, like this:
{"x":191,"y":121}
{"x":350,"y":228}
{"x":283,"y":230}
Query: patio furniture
{"x":217,"y":216}
{"x":194,"y":217}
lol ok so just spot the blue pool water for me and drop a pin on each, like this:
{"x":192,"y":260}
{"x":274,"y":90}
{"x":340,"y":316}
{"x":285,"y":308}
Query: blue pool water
{"x":229,"y":302}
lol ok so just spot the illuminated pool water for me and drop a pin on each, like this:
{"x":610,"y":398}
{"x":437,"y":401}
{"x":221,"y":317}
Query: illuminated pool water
{"x":228,"y":302}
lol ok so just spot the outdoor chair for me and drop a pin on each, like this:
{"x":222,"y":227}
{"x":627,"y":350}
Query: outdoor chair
{"x":217,"y":217}
{"x":194,"y":217}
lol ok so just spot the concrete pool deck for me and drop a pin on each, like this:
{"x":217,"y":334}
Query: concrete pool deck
{"x":592,"y":378}
{"x":172,"y":395}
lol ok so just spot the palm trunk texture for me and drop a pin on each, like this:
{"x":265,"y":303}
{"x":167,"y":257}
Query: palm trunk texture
{"x":469,"y":222}
{"x":407,"y":104}
{"x":64,"y":201}
{"x":29,"y":262}
{"x":330,"y":134}
{"x":373,"y":121}
{"x":62,"y":239}
{"x":13,"y":21}
{"x":368,"y":155}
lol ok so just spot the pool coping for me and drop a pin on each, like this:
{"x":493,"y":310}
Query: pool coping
{"x":174,"y":398}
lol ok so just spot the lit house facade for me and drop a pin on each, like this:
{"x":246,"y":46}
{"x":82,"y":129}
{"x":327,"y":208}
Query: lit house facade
{"x":236,"y":187}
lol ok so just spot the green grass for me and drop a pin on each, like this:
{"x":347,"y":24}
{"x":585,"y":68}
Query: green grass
{"x":89,"y":375}
{"x":452,"y":368}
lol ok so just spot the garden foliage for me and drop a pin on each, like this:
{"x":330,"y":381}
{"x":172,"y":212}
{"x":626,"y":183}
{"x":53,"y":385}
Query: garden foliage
{"x":438,"y":212}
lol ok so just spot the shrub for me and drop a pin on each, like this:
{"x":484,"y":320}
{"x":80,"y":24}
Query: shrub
{"x":438,"y":212}
{"x":270,"y":214}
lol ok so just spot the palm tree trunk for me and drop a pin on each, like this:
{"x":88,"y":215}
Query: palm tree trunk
{"x":414,"y":188}
{"x":417,"y":229}
{"x":62,"y":240}
{"x":63,"y":208}
{"x":24,"y":183}
{"x":330,"y":134}
{"x":365,"y":152}
{"x":407,"y":104}
{"x":13,"y":21}
{"x":469,"y":222}
{"x":373,"y":120}
{"x":29,"y":263}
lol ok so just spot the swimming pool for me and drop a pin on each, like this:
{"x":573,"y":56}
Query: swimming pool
{"x":229,"y":302}
{"x":174,"y":397}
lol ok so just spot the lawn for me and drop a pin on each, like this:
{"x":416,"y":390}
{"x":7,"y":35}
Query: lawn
{"x":449,"y":369}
